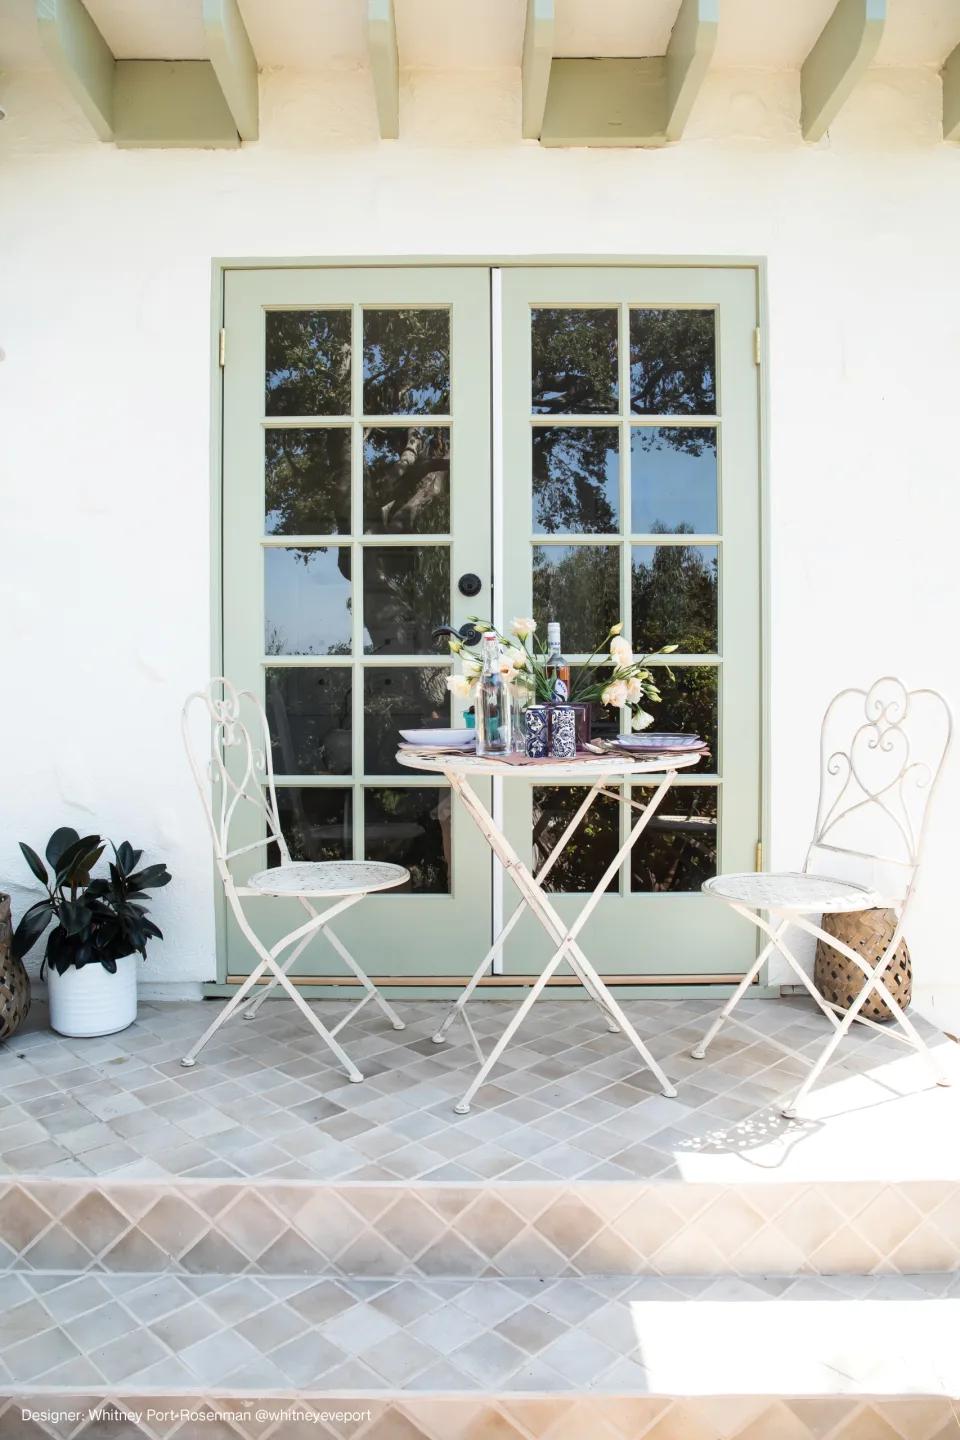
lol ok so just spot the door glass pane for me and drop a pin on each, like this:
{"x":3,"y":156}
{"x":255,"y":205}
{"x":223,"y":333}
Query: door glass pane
{"x":672,"y":362}
{"x":406,"y":362}
{"x":411,"y":827}
{"x":306,"y":595}
{"x":688,"y":705}
{"x":406,"y":480}
{"x":578,"y":585}
{"x":675,"y":597}
{"x":574,"y":362}
{"x":397,"y":698}
{"x":678,"y":849}
{"x":594,"y":844}
{"x":406,"y":595}
{"x":309,"y":714}
{"x":673,"y":480}
{"x":317,"y":823}
{"x":307,"y":482}
{"x":308,"y":362}
{"x":576,"y":479}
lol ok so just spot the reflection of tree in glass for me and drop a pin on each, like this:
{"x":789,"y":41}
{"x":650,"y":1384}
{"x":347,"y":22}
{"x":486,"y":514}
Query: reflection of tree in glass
{"x":412,"y":828}
{"x":679,"y":846}
{"x":672,"y":364}
{"x":571,"y":489}
{"x":406,"y":595}
{"x":574,"y":356}
{"x":317,"y":823}
{"x":406,"y":362}
{"x":594,"y":844}
{"x":309,"y":713}
{"x":579,"y":586}
{"x":406,"y":480}
{"x":675,"y":596}
{"x":689,"y":704}
{"x":400,"y":699}
{"x":308,"y":362}
{"x":307,"y":482}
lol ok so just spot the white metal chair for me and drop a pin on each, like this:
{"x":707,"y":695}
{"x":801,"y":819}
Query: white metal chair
{"x":881,"y":753}
{"x":239,"y":775}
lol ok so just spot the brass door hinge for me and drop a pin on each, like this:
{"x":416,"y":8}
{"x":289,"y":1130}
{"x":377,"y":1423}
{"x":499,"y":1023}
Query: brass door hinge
{"x":757,"y":346}
{"x":758,"y":865}
{"x":223,"y":348}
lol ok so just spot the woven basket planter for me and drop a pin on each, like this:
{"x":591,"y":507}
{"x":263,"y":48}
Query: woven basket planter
{"x":14,"y":981}
{"x":840,"y":980}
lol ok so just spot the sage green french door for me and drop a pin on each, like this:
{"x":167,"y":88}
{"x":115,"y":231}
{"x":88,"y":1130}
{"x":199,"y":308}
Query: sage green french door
{"x":630,"y":425}
{"x":365,"y":453}
{"x":356,"y":494}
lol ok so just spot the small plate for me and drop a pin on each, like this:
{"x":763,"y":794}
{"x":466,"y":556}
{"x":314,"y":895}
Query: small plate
{"x":442,"y":739}
{"x":646,"y":740}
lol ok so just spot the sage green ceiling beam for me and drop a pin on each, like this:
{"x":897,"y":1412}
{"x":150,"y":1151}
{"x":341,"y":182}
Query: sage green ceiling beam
{"x":692,"y":43}
{"x":951,"y":96}
{"x":384,"y":65}
{"x":847,"y":44}
{"x":154,"y":103}
{"x":234,"y":64}
{"x":616,"y":100}
{"x":537,"y":60}
{"x":83,"y":58}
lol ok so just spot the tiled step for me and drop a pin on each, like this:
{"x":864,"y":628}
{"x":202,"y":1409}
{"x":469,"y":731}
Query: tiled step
{"x":697,"y":1358}
{"x":472,"y":1231}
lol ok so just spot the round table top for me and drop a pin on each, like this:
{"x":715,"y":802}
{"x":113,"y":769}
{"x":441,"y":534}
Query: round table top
{"x":588,"y":769}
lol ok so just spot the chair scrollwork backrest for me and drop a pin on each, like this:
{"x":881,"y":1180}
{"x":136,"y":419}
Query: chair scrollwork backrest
{"x":881,"y":754}
{"x":238,"y":772}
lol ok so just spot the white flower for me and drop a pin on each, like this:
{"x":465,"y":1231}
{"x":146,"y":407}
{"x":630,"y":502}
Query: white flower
{"x":641,"y":719}
{"x":455,"y":646}
{"x":472,"y":669}
{"x":507,"y":670}
{"x":460,"y":686}
{"x":615,"y":693}
{"x":634,"y":690}
{"x":620,"y":652}
{"x":615,"y":629}
{"x":522,"y":627}
{"x":518,"y":658}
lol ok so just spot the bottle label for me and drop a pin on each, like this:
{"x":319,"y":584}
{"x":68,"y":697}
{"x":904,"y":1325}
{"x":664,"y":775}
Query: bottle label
{"x":559,"y":691}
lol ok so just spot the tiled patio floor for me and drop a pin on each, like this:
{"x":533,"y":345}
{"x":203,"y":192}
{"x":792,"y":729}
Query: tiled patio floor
{"x":568,"y":1103}
{"x":611,"y":1335}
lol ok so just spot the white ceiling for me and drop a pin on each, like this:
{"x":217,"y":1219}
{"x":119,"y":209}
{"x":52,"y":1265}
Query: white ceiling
{"x":472,"y":34}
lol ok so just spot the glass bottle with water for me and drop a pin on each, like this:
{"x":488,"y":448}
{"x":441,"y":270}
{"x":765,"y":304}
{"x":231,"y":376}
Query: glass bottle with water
{"x":493,"y":701}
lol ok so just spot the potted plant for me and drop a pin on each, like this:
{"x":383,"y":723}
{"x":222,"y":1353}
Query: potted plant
{"x":101,"y":925}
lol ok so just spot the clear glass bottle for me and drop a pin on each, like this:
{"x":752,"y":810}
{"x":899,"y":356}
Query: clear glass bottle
{"x":522,"y":694}
{"x":493,"y":701}
{"x":556,"y":667}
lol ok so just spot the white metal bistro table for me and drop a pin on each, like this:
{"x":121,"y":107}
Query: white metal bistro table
{"x":599,"y":773}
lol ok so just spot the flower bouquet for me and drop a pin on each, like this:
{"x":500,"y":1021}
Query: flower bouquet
{"x":523,"y":665}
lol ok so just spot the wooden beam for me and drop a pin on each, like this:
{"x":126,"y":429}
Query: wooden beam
{"x":951,"y":96}
{"x":692,"y":43}
{"x":83,"y":58}
{"x":847,"y":45}
{"x":385,"y":65}
{"x":170,"y":104}
{"x":234,"y":64}
{"x":537,"y":60}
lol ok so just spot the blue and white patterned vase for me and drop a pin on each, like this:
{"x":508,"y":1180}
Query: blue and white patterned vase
{"x":563,"y":732}
{"x":536,"y":719}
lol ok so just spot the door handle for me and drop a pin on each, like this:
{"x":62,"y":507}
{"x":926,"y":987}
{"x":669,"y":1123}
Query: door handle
{"x":468,"y":633}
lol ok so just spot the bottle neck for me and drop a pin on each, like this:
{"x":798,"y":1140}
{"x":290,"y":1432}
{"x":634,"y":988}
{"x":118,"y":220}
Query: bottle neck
{"x":490,"y":654}
{"x":553,"y":638}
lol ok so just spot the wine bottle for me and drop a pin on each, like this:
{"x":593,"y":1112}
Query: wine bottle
{"x":557,"y":669}
{"x":493,"y":701}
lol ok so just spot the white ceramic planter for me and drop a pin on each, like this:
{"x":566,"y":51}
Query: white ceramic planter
{"x":91,"y":1001}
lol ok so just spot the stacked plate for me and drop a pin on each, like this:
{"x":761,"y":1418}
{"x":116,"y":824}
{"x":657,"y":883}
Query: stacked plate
{"x":440,"y":739}
{"x":661,"y":743}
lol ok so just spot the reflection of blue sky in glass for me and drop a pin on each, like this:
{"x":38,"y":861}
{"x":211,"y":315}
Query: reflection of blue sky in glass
{"x":576,"y":480}
{"x":306,"y":602}
{"x":673,"y":489}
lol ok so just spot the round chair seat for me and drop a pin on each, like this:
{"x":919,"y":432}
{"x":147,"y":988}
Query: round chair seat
{"x":327,"y":877}
{"x":792,"y":890}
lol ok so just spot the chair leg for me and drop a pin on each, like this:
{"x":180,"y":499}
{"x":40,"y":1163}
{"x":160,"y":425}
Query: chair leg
{"x":224,"y":1014}
{"x":364,"y":979}
{"x":723,"y":1014}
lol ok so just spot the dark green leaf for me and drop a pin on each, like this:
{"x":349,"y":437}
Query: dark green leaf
{"x":58,"y":842}
{"x":110,"y":965}
{"x":35,"y":863}
{"x":32,"y":925}
{"x":152,"y":877}
{"x":74,"y":917}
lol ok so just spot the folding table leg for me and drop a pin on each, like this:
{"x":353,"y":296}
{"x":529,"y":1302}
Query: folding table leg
{"x":699,"y":1051}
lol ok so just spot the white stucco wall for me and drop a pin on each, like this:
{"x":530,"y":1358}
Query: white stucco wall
{"x":105,"y":392}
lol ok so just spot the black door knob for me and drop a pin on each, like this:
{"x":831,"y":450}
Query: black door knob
{"x":469,"y":584}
